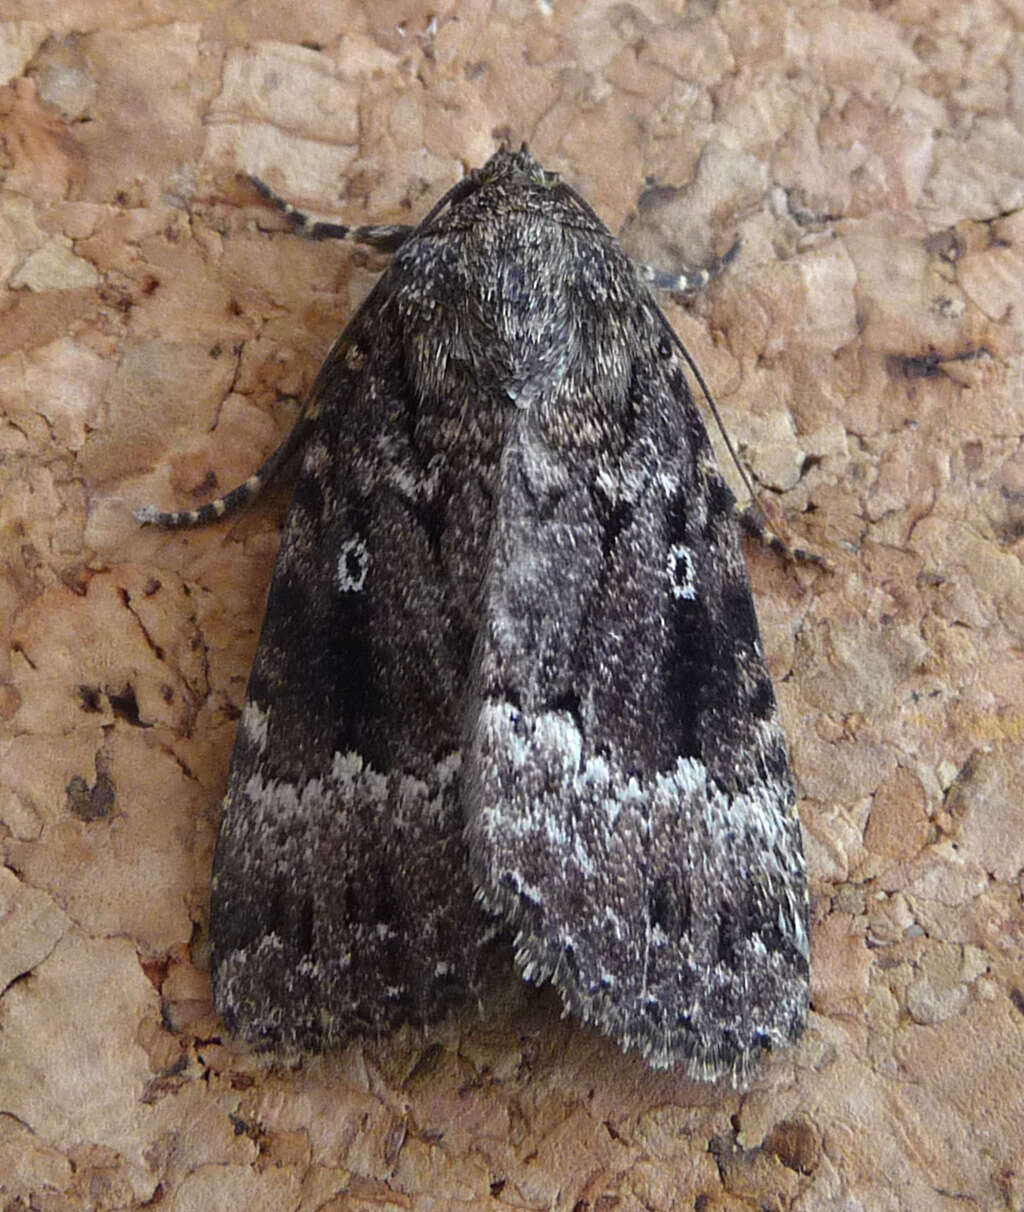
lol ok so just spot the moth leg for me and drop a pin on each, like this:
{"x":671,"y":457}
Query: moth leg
{"x":238,"y":497}
{"x":690,"y":281}
{"x":751,"y":516}
{"x":380,"y":236}
{"x":753,"y":522}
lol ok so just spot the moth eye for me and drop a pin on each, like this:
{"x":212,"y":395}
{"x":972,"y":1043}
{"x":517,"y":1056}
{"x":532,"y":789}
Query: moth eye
{"x":665,"y":348}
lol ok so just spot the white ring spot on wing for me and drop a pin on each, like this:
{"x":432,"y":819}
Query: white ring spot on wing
{"x":353,"y":565}
{"x":680,"y":568}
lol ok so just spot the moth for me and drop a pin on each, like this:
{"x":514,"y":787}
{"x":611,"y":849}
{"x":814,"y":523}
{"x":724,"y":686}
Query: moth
{"x":510,"y":701}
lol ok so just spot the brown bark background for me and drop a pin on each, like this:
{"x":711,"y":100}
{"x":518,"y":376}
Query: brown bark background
{"x":158,"y":325}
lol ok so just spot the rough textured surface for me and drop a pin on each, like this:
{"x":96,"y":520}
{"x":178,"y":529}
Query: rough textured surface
{"x":158,"y":326}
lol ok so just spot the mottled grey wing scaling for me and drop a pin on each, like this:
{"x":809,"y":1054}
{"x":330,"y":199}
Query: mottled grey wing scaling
{"x":341,"y":901}
{"x":510,"y":678}
{"x":630,"y":805}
